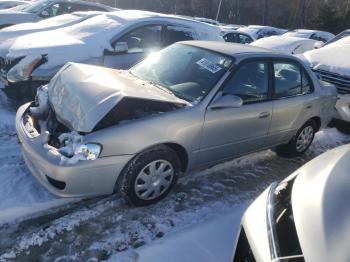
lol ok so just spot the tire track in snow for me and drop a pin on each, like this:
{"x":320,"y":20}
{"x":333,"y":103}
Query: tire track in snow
{"x":99,"y":228}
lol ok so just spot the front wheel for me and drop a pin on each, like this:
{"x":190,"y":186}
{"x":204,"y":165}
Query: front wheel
{"x":300,"y":143}
{"x":150,"y":176}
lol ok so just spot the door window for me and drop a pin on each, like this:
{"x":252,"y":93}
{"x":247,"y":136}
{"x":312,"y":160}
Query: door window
{"x":271,"y":33}
{"x":56,"y":9}
{"x":143,"y":39}
{"x":250,"y":82}
{"x":290,"y":81}
{"x":244,"y":39}
{"x":230,"y":37}
{"x":318,"y":38}
{"x":175,"y":34}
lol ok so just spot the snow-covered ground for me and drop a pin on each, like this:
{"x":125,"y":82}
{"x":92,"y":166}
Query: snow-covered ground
{"x":36,"y":226}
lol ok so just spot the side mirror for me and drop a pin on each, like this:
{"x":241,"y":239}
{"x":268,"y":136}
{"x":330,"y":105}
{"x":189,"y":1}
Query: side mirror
{"x":226,"y":101}
{"x":44,"y":13}
{"x":121,"y":47}
{"x":318,"y":44}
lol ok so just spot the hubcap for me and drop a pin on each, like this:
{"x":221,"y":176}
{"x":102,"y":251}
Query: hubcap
{"x":154,"y":179}
{"x":305,"y":138}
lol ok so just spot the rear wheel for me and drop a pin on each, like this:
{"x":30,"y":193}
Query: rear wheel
{"x":300,"y":143}
{"x":150,"y":176}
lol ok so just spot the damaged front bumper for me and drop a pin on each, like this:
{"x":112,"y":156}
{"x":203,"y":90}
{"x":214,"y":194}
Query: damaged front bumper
{"x":83,"y":179}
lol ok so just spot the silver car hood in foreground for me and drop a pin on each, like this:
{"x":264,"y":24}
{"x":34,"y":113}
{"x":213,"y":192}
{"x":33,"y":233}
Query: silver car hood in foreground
{"x":81,"y":95}
{"x":321,"y":209}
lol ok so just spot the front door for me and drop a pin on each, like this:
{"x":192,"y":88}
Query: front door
{"x":140,"y":42}
{"x":230,"y":132}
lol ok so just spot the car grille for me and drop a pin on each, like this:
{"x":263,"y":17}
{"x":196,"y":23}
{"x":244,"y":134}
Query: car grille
{"x":341,"y":82}
{"x":7,"y":64}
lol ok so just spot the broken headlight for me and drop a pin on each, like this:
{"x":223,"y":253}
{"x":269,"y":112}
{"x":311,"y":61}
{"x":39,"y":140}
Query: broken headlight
{"x":23,"y":70}
{"x":88,"y":151}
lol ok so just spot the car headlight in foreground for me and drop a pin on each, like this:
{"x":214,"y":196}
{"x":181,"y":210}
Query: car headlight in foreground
{"x":88,"y":151}
{"x":22,"y":70}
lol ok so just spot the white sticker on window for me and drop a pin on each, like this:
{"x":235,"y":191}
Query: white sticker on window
{"x":211,"y":67}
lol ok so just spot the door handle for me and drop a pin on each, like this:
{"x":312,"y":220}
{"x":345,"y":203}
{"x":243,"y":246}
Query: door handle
{"x":308,"y":106}
{"x":264,"y":114}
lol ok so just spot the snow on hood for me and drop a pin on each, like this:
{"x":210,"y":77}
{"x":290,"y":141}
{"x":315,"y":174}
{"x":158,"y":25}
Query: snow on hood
{"x":321,"y":211}
{"x":333,"y":58}
{"x":9,"y":34}
{"x":13,"y":17}
{"x":81,"y":95}
{"x":73,"y":43}
{"x":47,"y":24}
{"x":286,"y":44}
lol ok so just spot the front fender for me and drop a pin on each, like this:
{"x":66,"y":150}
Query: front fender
{"x":183,"y":127}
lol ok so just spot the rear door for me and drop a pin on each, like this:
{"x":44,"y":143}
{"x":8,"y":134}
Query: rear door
{"x":230,"y":132}
{"x":294,"y":101}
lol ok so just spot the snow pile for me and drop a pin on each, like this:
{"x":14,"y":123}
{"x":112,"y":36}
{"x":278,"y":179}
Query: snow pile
{"x":333,"y":58}
{"x":210,"y":241}
{"x":20,"y":193}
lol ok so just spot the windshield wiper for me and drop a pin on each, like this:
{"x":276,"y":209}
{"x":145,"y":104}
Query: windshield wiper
{"x":161,"y":87}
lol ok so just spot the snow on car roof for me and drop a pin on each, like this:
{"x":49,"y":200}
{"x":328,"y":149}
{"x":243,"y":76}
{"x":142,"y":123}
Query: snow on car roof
{"x":255,"y":29}
{"x":284,"y":43}
{"x":307,"y":33}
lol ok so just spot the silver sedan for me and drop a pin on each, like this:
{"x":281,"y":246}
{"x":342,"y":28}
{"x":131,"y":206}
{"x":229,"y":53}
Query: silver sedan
{"x":95,"y":130}
{"x":303,"y":218}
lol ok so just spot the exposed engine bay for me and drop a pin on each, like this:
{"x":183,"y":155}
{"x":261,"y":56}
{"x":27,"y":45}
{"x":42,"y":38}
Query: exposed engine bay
{"x":69,"y":145}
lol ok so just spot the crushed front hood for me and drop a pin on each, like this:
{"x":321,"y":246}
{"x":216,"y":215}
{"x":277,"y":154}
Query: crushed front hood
{"x":321,"y":210}
{"x":81,"y":95}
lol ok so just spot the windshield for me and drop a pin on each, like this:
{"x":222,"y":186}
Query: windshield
{"x":188,"y":72}
{"x":338,"y":37}
{"x":37,"y":6}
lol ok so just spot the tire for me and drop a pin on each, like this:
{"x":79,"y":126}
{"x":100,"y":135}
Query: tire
{"x":21,"y":92}
{"x":342,"y":126}
{"x":138,"y":174}
{"x":293,"y":148}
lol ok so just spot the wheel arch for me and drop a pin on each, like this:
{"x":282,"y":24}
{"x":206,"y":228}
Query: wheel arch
{"x":317,"y":121}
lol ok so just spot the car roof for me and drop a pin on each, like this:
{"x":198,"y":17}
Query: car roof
{"x":231,"y":49}
{"x":90,"y":4}
{"x":130,"y":14}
